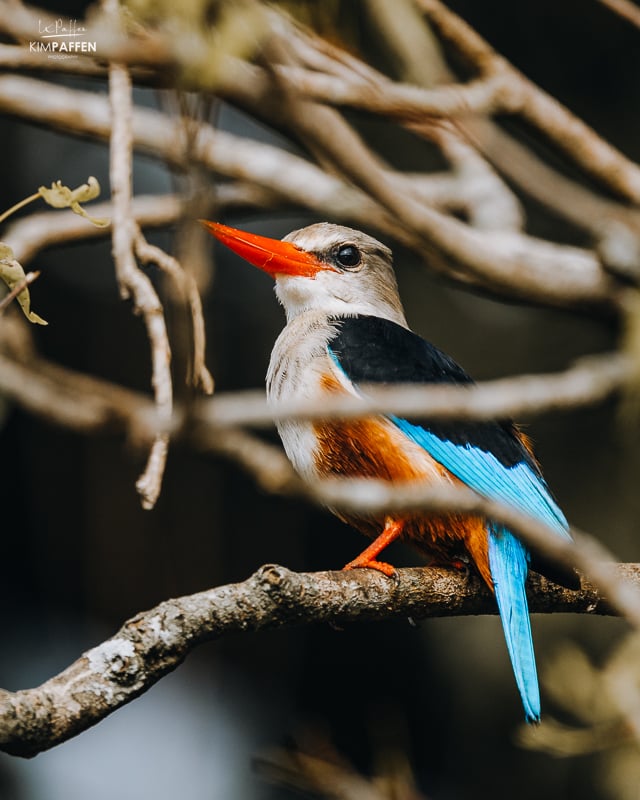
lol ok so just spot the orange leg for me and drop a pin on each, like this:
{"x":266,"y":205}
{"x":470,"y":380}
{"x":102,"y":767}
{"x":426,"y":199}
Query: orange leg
{"x":392,"y":530}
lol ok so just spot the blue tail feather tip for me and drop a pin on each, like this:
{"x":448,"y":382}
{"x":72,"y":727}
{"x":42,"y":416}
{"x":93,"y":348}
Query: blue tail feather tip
{"x":508,"y":561}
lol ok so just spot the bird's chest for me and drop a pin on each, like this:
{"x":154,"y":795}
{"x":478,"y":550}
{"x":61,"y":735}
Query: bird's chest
{"x":302,"y":370}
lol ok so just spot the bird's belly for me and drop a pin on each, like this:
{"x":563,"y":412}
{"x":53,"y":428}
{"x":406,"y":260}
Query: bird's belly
{"x":372,"y":447}
{"x":375,"y":448}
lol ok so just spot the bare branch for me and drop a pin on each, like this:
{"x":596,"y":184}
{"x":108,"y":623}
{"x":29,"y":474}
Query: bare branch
{"x":155,"y":642}
{"x":29,"y":235}
{"x":75,"y":410}
{"x":505,"y":261}
{"x":570,"y":200}
{"x":186,"y":287}
{"x":589,"y":381}
{"x":270,"y":468}
{"x":397,"y":100}
{"x":134,"y":283}
{"x":567,"y":132}
{"x":359,"y":85}
{"x":276,"y":171}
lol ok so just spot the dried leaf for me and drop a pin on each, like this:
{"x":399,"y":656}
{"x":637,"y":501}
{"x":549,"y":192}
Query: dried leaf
{"x":60,"y":196}
{"x":13,"y":274}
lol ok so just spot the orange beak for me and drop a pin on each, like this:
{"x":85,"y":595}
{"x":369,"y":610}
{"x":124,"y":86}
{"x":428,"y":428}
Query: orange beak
{"x":271,"y":255}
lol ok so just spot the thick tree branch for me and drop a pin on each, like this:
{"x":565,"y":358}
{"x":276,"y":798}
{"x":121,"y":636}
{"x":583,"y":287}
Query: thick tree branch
{"x":155,"y":642}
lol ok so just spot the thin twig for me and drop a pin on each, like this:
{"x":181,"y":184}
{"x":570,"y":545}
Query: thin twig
{"x":588,"y":382}
{"x":186,"y":286}
{"x":18,"y":206}
{"x":133,"y":283}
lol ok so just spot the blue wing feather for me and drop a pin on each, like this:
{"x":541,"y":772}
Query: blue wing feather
{"x":517,"y":486}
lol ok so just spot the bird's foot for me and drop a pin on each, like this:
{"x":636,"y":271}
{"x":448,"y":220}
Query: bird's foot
{"x":368,"y":558}
{"x":386,"y":569}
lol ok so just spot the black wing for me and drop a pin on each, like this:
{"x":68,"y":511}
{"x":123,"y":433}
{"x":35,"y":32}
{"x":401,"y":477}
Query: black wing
{"x":375,"y":350}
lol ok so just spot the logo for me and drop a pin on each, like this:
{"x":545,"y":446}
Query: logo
{"x":62,"y":38}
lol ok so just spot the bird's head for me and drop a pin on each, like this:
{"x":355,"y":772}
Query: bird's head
{"x":324,"y":268}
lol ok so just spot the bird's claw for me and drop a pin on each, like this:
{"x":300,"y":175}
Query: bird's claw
{"x":381,"y":566}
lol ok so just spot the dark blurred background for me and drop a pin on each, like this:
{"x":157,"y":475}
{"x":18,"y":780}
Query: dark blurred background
{"x":80,"y":556}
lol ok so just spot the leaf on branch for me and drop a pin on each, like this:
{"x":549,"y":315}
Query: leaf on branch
{"x":13,"y":274}
{"x":60,"y":196}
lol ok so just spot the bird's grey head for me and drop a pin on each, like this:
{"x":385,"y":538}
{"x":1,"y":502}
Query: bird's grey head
{"x":360,"y":279}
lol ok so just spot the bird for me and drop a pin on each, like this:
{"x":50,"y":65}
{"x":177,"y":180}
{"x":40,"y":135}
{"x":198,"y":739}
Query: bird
{"x":345,"y":328}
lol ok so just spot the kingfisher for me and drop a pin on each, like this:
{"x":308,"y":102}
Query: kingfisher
{"x":346,"y":328}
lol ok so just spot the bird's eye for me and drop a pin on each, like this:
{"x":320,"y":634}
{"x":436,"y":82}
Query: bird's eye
{"x":348,"y":256}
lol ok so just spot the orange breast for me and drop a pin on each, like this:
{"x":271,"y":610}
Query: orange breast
{"x":373,"y":447}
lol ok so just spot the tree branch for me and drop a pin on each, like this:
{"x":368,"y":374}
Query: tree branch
{"x":567,"y":132}
{"x":26,"y":378}
{"x":505,"y":261}
{"x":155,"y":642}
{"x":589,"y":381}
{"x":134,"y":283}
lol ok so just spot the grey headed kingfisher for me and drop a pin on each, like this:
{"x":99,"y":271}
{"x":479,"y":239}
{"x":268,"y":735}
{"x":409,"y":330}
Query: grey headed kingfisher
{"x":345,"y":328}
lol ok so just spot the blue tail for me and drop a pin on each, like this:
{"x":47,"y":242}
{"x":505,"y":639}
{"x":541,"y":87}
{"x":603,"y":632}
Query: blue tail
{"x":508,"y":561}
